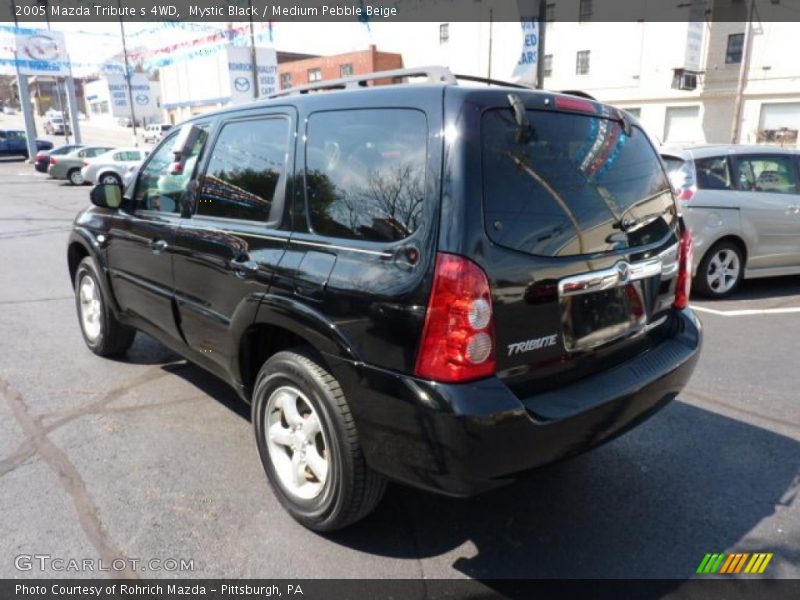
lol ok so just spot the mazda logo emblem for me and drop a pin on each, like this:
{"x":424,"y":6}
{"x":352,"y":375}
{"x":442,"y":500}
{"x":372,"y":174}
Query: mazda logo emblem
{"x":142,"y":99}
{"x":623,"y":272}
{"x":242,"y":84}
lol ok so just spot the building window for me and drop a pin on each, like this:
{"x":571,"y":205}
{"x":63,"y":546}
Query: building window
{"x":444,"y":33}
{"x":314,"y":75}
{"x":550,"y":12}
{"x":582,"y":63}
{"x":585,"y":14}
{"x":548,"y":65}
{"x":286,"y":80}
{"x":346,"y":70}
{"x":733,"y":55}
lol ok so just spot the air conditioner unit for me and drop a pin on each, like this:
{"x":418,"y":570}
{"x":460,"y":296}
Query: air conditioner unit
{"x":684,"y":80}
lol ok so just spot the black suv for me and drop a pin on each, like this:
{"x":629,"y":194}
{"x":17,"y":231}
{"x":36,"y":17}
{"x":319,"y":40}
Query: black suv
{"x":438,"y":284}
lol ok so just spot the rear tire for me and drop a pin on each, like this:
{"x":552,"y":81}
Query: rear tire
{"x":721,"y":270}
{"x":102,"y":332}
{"x":110,"y":179}
{"x":328,"y":485}
{"x":75,"y":177}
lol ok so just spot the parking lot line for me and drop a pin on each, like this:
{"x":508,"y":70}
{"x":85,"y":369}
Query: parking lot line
{"x":746,"y":312}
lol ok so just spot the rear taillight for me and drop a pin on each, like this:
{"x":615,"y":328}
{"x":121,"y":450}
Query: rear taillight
{"x":39,"y":155}
{"x":686,"y":193}
{"x":52,"y":160}
{"x":86,"y":163}
{"x":683,"y":287}
{"x":458,"y":337}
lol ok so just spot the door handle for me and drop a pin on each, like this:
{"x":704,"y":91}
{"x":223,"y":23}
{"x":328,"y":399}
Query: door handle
{"x":158,"y":246}
{"x":244,"y":266}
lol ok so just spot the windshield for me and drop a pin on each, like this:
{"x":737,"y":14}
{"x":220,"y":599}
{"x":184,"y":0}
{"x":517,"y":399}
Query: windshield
{"x":566,"y":187}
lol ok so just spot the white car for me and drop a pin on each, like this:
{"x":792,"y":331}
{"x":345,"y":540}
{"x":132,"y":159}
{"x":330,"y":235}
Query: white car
{"x":112,"y":166}
{"x":154,"y":132}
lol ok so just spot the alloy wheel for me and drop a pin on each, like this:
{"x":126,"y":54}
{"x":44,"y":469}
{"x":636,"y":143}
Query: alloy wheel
{"x":723,"y":271}
{"x":91,"y":308}
{"x":296,"y":443}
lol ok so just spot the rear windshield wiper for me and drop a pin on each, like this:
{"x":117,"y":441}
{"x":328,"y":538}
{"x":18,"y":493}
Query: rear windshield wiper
{"x":521,"y":117}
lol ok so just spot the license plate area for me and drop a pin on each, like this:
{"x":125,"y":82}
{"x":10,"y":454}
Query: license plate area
{"x":589,"y":320}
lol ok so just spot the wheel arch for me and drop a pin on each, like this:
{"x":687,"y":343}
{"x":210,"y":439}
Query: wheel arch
{"x":738,"y":241}
{"x":282,"y":323}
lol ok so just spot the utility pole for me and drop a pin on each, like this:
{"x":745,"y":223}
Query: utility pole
{"x":743,"y":69}
{"x":24,"y":96}
{"x":540,"y":51}
{"x":127,"y":74}
{"x":489,"y":74}
{"x":253,"y":53}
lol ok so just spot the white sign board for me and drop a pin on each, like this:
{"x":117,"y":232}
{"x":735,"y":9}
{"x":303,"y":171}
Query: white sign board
{"x":694,"y":35}
{"x":42,"y":52}
{"x":240,"y":69}
{"x":525,"y":71}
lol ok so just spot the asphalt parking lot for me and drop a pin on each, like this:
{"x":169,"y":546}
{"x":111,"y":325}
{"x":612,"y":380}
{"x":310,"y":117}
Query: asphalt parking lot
{"x":152,"y":458}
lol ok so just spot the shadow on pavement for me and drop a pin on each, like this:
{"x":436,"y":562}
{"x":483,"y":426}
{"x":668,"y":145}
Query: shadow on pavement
{"x":649,"y":505}
{"x":758,"y":289}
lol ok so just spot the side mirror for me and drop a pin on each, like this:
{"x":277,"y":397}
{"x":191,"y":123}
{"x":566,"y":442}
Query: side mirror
{"x":106,"y":195}
{"x":182,"y":149}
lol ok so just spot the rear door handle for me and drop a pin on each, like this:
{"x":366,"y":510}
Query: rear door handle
{"x":244,"y":266}
{"x":158,"y":246}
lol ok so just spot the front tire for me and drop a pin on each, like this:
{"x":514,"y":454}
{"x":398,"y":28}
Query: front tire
{"x":102,"y":332}
{"x":721,"y":270}
{"x":309,"y":446}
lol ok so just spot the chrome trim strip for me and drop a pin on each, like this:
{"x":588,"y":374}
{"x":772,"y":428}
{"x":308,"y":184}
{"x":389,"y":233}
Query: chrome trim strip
{"x":622,"y":273}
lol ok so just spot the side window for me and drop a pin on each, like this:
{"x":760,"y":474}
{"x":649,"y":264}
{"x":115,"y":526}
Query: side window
{"x":766,"y":174}
{"x":247,"y":163}
{"x":156,"y":188}
{"x":84,"y":153}
{"x":365,"y":173}
{"x":713,"y":173}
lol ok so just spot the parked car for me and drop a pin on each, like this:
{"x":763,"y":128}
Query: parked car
{"x":14,"y":143}
{"x":69,"y":165}
{"x":42,"y":162}
{"x":742,"y":204}
{"x":9,"y":110}
{"x":110,"y":167}
{"x":130,"y":173}
{"x":155,"y":132}
{"x":56,"y":126}
{"x":443,"y":310}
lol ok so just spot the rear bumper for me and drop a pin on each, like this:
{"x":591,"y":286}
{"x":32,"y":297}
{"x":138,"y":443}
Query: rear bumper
{"x":463,"y":439}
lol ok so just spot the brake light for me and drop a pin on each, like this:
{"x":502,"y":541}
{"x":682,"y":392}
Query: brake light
{"x":86,"y":163}
{"x":52,"y":161}
{"x":579,"y":104}
{"x":687,"y":193}
{"x":39,"y":155}
{"x":458,"y":336}
{"x":683,"y":286}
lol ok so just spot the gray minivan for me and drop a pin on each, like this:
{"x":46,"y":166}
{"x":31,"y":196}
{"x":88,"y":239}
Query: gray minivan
{"x":742,"y":204}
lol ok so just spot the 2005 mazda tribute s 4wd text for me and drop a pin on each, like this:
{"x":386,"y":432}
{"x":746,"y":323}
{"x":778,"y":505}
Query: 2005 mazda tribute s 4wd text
{"x":431,"y":283}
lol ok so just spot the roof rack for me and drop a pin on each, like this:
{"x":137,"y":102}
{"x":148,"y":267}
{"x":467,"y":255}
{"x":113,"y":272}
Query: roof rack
{"x":433,"y":74}
{"x":489,"y":81}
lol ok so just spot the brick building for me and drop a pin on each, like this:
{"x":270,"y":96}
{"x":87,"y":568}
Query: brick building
{"x":323,"y":68}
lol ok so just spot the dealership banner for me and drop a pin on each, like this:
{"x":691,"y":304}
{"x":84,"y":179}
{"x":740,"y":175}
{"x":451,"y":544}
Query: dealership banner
{"x":525,"y":71}
{"x":240,"y":69}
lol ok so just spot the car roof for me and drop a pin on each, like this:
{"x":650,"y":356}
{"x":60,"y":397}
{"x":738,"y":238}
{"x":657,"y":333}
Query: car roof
{"x":707,"y":150}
